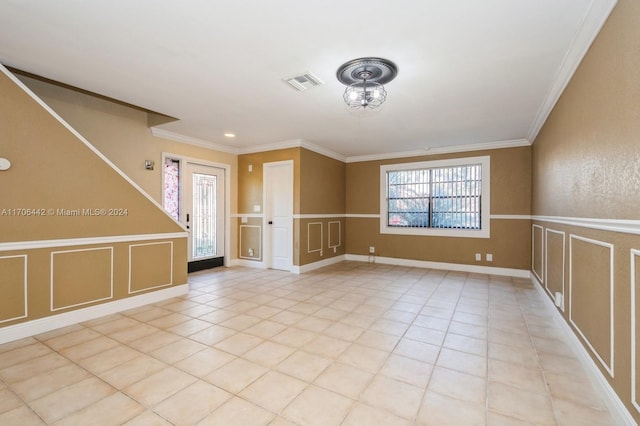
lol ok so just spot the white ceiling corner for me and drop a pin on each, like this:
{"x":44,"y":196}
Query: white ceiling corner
{"x":471,"y":74}
{"x":594,"y":19}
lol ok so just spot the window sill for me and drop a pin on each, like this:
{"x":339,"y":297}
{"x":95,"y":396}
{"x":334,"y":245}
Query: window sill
{"x":434,"y":232}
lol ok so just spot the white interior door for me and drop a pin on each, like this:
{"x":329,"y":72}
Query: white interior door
{"x":278,"y":215}
{"x":203,"y":211}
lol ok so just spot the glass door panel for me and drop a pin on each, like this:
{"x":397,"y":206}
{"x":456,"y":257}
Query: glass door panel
{"x":203,"y":220}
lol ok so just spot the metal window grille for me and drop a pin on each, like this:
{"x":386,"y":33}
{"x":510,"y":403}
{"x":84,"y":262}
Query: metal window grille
{"x":204,"y":217}
{"x":444,"y":197}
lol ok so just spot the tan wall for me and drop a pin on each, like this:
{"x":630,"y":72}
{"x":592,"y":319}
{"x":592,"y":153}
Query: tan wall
{"x":321,"y":238}
{"x":319,"y":188}
{"x":250,"y":182}
{"x":591,"y":258}
{"x":323,"y":184}
{"x":586,"y":156}
{"x":120,"y":133}
{"x":510,"y":240}
{"x":322,"y":193}
{"x":65,"y":278}
{"x":586,"y":165}
{"x":250,"y":239}
{"x":250,"y":194}
{"x":55,"y":176}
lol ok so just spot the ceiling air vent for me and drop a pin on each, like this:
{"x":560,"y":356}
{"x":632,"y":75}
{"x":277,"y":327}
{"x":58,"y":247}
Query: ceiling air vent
{"x":304,"y":81}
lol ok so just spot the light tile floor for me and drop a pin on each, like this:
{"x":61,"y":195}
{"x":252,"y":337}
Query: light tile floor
{"x":350,"y":344}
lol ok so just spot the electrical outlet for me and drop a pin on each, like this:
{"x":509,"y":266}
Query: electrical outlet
{"x":372,"y":250}
{"x":478,"y":257}
{"x":558,"y":299}
{"x":489,"y":257}
{"x":250,"y":252}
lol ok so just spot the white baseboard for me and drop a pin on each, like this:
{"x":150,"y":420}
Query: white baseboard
{"x":492,"y":270}
{"x":619,"y":412}
{"x":248,"y":263}
{"x":316,"y":265}
{"x":42,"y":325}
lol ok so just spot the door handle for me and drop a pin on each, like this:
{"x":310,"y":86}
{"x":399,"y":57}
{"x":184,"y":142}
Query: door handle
{"x":187,"y":220}
{"x":270,"y":222}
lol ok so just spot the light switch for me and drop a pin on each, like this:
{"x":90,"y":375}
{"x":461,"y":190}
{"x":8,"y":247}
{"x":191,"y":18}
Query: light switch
{"x":244,"y":219}
{"x":256,"y":208}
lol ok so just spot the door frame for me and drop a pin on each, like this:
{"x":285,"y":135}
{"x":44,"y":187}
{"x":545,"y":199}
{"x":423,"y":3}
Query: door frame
{"x":266,"y":244}
{"x":183,"y":160}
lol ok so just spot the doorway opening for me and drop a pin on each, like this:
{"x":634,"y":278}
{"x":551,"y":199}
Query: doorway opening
{"x":196,"y":195}
{"x":278,"y":215}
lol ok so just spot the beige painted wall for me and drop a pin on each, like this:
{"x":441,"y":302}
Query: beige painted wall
{"x":586,"y":156}
{"x":250,"y":195}
{"x":120,"y":133}
{"x":250,"y":182}
{"x":319,"y":188}
{"x":56,"y":177}
{"x":323,"y":184}
{"x":322,"y":193}
{"x":586,"y":163}
{"x":510,"y":240}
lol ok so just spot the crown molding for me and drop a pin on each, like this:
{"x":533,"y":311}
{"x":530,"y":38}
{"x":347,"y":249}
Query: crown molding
{"x":294,"y":143}
{"x":323,"y":151}
{"x":301,"y":143}
{"x":177,"y":137}
{"x":592,"y":23}
{"x":441,"y":150}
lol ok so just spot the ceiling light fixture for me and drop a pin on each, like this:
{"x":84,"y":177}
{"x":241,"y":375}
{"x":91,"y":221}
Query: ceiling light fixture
{"x":229,"y":135}
{"x":364,"y":78}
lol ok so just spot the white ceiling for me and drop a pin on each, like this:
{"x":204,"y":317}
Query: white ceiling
{"x":470,"y":72}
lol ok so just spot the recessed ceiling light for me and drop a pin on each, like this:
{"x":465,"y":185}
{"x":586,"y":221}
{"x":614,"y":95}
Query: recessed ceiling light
{"x":229,"y":135}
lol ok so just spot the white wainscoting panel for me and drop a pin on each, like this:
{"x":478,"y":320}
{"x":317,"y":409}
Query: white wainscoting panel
{"x":608,"y":366}
{"x":53,"y":306}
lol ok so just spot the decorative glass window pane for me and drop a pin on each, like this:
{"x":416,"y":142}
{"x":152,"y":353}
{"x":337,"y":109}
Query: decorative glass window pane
{"x":172,"y":187}
{"x":204,"y":215}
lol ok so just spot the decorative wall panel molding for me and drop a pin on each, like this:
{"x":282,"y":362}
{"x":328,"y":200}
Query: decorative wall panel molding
{"x":591,"y":292}
{"x":537,"y":252}
{"x":72,"y":270}
{"x":335,"y":234}
{"x":150,"y":266}
{"x":554,"y":268}
{"x":250,"y":236}
{"x":314,"y":229}
{"x":13,"y":282}
{"x":635,"y":351}
{"x":615,"y":225}
{"x":30,"y":245}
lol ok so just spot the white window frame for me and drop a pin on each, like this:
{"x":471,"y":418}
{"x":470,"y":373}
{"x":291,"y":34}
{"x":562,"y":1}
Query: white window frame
{"x":485,"y":201}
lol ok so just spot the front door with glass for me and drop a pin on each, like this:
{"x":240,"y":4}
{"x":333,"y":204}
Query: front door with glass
{"x":204,"y":215}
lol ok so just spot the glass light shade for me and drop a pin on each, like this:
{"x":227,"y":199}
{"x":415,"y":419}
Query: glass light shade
{"x":367,"y":95}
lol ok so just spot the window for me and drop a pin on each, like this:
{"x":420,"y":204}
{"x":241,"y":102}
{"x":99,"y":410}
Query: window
{"x":444,"y":197}
{"x":171,"y":191}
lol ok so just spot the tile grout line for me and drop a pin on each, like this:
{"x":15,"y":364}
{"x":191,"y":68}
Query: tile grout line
{"x":435,"y":362}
